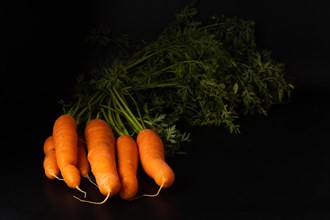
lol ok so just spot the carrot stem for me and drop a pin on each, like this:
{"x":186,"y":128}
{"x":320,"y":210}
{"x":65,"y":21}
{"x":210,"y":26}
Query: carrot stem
{"x":124,"y":109}
{"x":113,"y":118}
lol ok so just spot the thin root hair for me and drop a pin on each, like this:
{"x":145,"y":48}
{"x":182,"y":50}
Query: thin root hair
{"x":92,"y":202}
{"x":150,"y":195}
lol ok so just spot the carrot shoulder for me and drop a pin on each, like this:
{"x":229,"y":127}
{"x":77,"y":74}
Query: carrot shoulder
{"x":127,"y":161}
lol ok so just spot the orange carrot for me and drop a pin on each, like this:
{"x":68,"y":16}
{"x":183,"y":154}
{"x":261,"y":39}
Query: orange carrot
{"x":50,"y":165}
{"x":100,"y":141}
{"x":150,"y":145}
{"x":48,"y":144}
{"x":65,"y":139}
{"x":127,"y":161}
{"x":83,"y":164}
{"x":151,"y":151}
{"x":51,"y":169}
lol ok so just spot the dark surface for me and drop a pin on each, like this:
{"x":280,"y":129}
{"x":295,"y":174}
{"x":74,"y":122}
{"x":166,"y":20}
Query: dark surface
{"x":277,"y":168}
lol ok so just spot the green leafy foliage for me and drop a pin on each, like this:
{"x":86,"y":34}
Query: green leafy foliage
{"x":207,"y":73}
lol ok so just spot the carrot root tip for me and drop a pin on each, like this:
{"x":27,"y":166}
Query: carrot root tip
{"x":56,"y":177}
{"x":90,"y":180}
{"x":150,"y":195}
{"x":81,"y":191}
{"x":92,"y":202}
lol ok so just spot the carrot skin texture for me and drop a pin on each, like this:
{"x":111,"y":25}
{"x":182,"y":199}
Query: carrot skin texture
{"x":101,"y":154}
{"x":48,"y":144}
{"x":50,"y":166}
{"x":65,"y":139}
{"x":82,"y":164}
{"x":70,"y":175}
{"x":127,"y":161}
{"x":152,"y":157}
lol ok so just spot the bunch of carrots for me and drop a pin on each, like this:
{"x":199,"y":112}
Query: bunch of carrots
{"x":126,"y":111}
{"x":104,"y":133}
{"x":71,"y":154}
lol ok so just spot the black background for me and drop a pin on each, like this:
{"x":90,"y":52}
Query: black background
{"x":277,"y":168}
{"x":42,"y":43}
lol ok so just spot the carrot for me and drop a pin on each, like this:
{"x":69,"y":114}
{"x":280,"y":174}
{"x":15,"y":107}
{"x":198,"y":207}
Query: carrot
{"x":150,"y":145}
{"x":127,"y":161}
{"x":50,"y":165}
{"x":51,"y":169}
{"x":152,"y":157}
{"x":83,"y":164}
{"x":100,"y":141}
{"x":65,"y":139}
{"x":48,"y":144}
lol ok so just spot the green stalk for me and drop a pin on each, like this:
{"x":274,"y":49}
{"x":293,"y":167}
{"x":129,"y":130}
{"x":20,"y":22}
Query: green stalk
{"x":142,"y":59}
{"x":124,"y":109}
